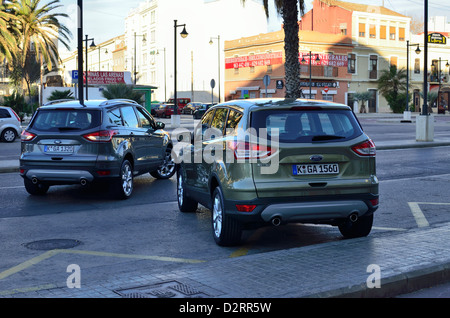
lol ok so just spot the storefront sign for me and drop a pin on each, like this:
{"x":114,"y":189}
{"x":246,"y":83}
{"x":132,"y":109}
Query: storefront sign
{"x":324,"y":59}
{"x":437,"y":38}
{"x":254,"y":60}
{"x":105,"y":78}
{"x":319,"y":84}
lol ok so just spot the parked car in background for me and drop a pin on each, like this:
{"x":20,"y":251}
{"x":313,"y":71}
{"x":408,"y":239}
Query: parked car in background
{"x":307,"y":162}
{"x":191,"y":108}
{"x":182,"y":102}
{"x":200,"y":111}
{"x":166,"y":110}
{"x":10,"y":127}
{"x":107,"y":142}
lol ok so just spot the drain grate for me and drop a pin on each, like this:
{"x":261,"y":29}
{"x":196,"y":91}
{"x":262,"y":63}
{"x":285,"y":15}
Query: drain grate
{"x":53,"y":244}
{"x":170,"y":289}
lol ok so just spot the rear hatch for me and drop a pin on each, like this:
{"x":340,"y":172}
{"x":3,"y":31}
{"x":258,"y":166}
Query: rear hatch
{"x":58,"y":137}
{"x":321,"y":150}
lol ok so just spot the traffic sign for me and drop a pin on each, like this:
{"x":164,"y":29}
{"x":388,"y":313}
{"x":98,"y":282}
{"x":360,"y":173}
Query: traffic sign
{"x":74,"y":75}
{"x":325,"y":89}
{"x":266,"y":80}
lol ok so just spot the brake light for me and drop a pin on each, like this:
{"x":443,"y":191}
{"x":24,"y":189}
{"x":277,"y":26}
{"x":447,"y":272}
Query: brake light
{"x":245,"y":207}
{"x":366,"y":149}
{"x":247,"y":150}
{"x":101,"y":136}
{"x":17,"y":116}
{"x":374,"y":202}
{"x":27,"y":136}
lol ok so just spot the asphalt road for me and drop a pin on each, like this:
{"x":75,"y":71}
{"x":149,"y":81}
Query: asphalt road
{"x":147,"y":232}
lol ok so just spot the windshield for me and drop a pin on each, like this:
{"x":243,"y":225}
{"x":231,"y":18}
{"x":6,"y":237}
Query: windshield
{"x":62,"y":119}
{"x":307,"y":125}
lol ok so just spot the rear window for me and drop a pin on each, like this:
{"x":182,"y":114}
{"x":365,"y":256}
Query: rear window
{"x":65,"y":119}
{"x":322,"y":125}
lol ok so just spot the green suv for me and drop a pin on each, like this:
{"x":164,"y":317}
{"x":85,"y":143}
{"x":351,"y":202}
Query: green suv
{"x":101,"y":141}
{"x":277,"y":161}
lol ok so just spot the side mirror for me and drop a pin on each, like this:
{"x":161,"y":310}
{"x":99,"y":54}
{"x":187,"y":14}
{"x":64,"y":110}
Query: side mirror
{"x":160,"y":125}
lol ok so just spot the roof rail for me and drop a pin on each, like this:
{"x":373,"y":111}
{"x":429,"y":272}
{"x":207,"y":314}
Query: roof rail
{"x":118,"y":100}
{"x":58,"y":101}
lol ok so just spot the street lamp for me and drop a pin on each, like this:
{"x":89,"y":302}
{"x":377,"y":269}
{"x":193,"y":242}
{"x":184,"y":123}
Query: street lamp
{"x":183,"y":34}
{"x":218,"y":56}
{"x":135,"y":62}
{"x":417,"y":50}
{"x":303,"y":61}
{"x":99,"y":59}
{"x":165,"y":86}
{"x":91,"y":46}
{"x":80,"y":50}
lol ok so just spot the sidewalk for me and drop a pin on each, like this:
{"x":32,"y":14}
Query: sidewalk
{"x":383,"y":268}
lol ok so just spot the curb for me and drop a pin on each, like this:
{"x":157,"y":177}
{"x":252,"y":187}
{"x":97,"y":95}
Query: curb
{"x":395,"y":285}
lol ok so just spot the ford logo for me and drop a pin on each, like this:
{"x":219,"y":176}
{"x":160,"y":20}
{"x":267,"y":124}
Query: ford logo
{"x":58,"y":142}
{"x":316,"y":158}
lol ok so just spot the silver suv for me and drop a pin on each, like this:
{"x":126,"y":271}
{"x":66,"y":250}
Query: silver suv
{"x":10,"y":127}
{"x":102,"y":141}
{"x":257,"y":162}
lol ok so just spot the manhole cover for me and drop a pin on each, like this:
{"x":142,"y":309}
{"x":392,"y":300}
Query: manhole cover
{"x":52,"y":244}
{"x":170,"y":289}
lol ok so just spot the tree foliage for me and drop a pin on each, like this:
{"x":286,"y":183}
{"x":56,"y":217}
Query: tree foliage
{"x":122,"y":91}
{"x":289,"y":11}
{"x":392,"y":85}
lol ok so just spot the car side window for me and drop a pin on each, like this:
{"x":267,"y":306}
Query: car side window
{"x":234,"y":117}
{"x":129,"y":117}
{"x":145,"y":119}
{"x":219,"y":119}
{"x":115,"y":117}
{"x":4,"y":113}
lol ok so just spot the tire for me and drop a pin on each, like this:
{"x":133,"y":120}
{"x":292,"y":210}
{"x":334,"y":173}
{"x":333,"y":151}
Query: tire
{"x":185,"y":204}
{"x":360,"y":228}
{"x":226,"y":230}
{"x":123,"y":186}
{"x":9,"y":135}
{"x":35,"y":189}
{"x":167,"y":169}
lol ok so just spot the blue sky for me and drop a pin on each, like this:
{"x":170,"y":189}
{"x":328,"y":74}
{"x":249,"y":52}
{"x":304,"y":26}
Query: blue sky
{"x":105,"y":19}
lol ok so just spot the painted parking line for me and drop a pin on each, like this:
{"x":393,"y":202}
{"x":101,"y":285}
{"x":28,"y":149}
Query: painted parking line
{"x":49,"y":254}
{"x":420,"y":218}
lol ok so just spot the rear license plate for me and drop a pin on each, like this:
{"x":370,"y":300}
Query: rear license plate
{"x":307,"y":169}
{"x":58,"y":149}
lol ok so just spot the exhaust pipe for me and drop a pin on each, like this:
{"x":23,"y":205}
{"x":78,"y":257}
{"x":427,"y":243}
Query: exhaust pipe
{"x":34,"y":180}
{"x":83,"y":182}
{"x":276,"y":221}
{"x":353,"y":217}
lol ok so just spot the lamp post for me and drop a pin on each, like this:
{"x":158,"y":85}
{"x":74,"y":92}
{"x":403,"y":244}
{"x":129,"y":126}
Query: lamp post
{"x":406,"y":113}
{"x":99,"y":61}
{"x":303,"y":61}
{"x":218,"y":57}
{"x":135,"y":62}
{"x":183,"y":34}
{"x":439,"y":79}
{"x":92,"y":46}
{"x":165,"y":85}
{"x":80,"y":51}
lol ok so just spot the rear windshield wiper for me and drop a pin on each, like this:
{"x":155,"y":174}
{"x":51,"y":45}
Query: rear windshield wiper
{"x":326,"y":137}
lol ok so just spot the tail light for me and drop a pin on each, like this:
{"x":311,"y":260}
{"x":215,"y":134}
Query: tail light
{"x":245,"y":207}
{"x":17,"y":116}
{"x":366,"y":149}
{"x":101,"y":136}
{"x":247,"y":150}
{"x":27,"y":136}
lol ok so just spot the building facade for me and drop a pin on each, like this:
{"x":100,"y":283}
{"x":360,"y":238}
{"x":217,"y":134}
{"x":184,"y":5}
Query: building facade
{"x":323,"y":56}
{"x":149,"y":38}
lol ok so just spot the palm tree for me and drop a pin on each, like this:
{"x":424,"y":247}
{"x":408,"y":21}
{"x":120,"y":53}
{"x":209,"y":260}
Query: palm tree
{"x":289,"y":9}
{"x":392,"y":85}
{"x":122,"y":91}
{"x":40,"y":30}
{"x":7,"y":32}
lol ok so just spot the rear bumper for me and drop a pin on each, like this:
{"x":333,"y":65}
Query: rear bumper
{"x":329,"y":210}
{"x":59,"y":176}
